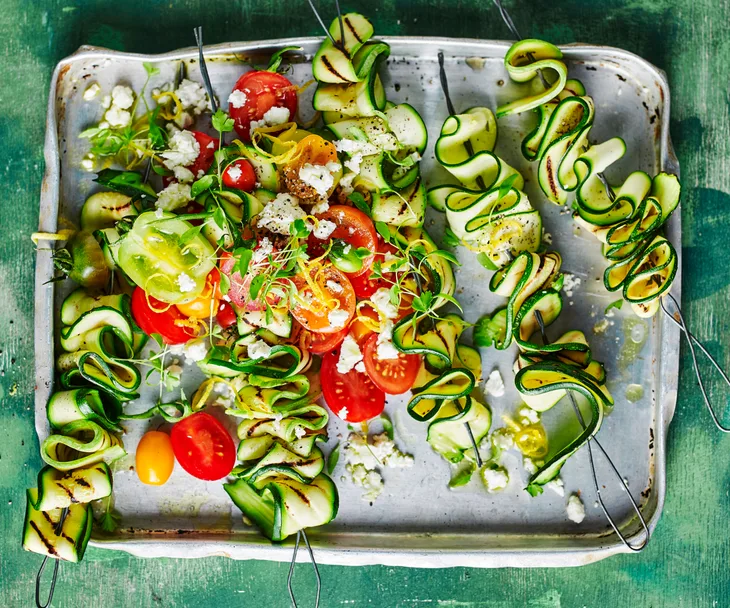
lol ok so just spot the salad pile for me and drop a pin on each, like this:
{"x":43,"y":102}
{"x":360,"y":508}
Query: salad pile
{"x":288,"y":260}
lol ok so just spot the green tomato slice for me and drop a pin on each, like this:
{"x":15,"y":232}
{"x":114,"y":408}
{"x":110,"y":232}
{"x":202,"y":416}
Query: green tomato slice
{"x":166,"y":259}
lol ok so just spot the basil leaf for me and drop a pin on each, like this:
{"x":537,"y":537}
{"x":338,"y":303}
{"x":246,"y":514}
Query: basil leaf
{"x":219,"y":218}
{"x":506,"y":185}
{"x":190,"y":234}
{"x":244,"y":259}
{"x":360,"y":203}
{"x":383,"y":230}
{"x":447,"y":255}
{"x":484,"y":260}
{"x":204,"y":183}
{"x":616,"y":304}
{"x":127,"y":182}
{"x":256,"y":284}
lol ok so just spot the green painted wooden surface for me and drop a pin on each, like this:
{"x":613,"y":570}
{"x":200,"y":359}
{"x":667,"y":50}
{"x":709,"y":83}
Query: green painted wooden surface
{"x":686,"y":563}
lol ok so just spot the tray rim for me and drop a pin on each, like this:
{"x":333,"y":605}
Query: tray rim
{"x":218,"y":545}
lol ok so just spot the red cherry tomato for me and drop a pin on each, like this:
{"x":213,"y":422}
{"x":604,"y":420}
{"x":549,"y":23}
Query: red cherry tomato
{"x":351,"y":396}
{"x":208,"y":146}
{"x":336,"y":287}
{"x":393,"y":376}
{"x":263,"y":91}
{"x":240,"y":175}
{"x":324,"y":343}
{"x":203,"y":447}
{"x":226,"y":315}
{"x":152,"y":321}
{"x":353,"y":227}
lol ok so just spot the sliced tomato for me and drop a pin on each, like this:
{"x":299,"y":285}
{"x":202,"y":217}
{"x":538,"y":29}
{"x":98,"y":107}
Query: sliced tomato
{"x":226,"y":316}
{"x":206,"y":304}
{"x":352,"y":396}
{"x":393,"y":376}
{"x":157,"y":317}
{"x":317,"y":304}
{"x":353,"y":227}
{"x":263,"y":91}
{"x":323,"y":343}
{"x":240,"y":175}
{"x":208,"y":146}
{"x":203,"y":447}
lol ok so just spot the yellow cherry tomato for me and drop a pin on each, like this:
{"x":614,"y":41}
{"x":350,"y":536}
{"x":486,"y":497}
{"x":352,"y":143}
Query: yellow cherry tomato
{"x":208,"y":302}
{"x":155,"y":459}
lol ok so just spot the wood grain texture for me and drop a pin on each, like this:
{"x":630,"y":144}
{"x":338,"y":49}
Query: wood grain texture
{"x":686,"y":564}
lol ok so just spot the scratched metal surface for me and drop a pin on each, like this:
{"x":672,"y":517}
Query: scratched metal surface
{"x":189,"y":518}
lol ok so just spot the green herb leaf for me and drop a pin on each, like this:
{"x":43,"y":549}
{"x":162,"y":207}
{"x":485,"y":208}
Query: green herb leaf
{"x":190,"y":234}
{"x":157,"y":135}
{"x":387,"y":425}
{"x":160,"y":342}
{"x":506,"y":185}
{"x":383,"y":230}
{"x":359,"y":201}
{"x":298,"y":229}
{"x":363,"y":252}
{"x":422,"y":302}
{"x":244,"y":259}
{"x":110,"y":521}
{"x":150,"y":68}
{"x":463,"y":476}
{"x":256,"y":284}
{"x":450,"y":239}
{"x":394,"y":296}
{"x":204,"y":183}
{"x":333,"y":458}
{"x":130,"y":183}
{"x":344,"y":256}
{"x":277,"y":57}
{"x":219,"y":218}
{"x":449,"y":298}
{"x":491,"y":329}
{"x":533,"y":489}
{"x":447,"y":255}
{"x":616,"y":304}
{"x":222,"y":122}
{"x":484,"y":260}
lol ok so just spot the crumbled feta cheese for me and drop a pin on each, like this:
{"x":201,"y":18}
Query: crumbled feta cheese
{"x":528,"y":416}
{"x":529,"y":465}
{"x":601,"y":326}
{"x":386,"y":350}
{"x":300,"y":431}
{"x":343,"y":413}
{"x":495,"y":384}
{"x":263,"y":251}
{"x":195,"y":350}
{"x":237,"y":99}
{"x":320,"y":207}
{"x":182,"y":174}
{"x":338,"y":317}
{"x":159,"y":213}
{"x":224,"y":395}
{"x":185,"y":283}
{"x":176,"y":195}
{"x":91,"y":91}
{"x":279,"y":214}
{"x":503,"y":439}
{"x":363,"y":458}
{"x":547,"y":238}
{"x":350,"y":354}
{"x":106,"y":102}
{"x":192,"y":96}
{"x":570,"y":283}
{"x":346,"y":249}
{"x":234,"y":172}
{"x":360,"y":367}
{"x":274,"y":116}
{"x":495,"y":479}
{"x":354,"y":146}
{"x":117,"y":117}
{"x":259,"y":350}
{"x":334,"y":286}
{"x":324,"y":229}
{"x":183,"y":150}
{"x":88,"y":164}
{"x":575,"y":509}
{"x":556,"y":485}
{"x":353,"y":163}
{"x":319,"y":177}
{"x":382,"y":303}
{"x":122,"y":97}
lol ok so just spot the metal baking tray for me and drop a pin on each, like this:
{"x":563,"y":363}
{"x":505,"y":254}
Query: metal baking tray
{"x":418,"y":521}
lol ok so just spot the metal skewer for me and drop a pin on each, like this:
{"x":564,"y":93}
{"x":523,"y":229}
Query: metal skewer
{"x":302,"y":534}
{"x":681,"y":324}
{"x":591,"y":441}
{"x":337,"y":44}
{"x":54,"y":576}
{"x":198,"y":31}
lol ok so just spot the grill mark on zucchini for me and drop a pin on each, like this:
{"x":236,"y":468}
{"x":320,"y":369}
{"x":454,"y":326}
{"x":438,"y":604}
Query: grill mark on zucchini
{"x":49,"y":547}
{"x":331,"y":68}
{"x":69,"y":492}
{"x":352,"y":29}
{"x":256,"y":425}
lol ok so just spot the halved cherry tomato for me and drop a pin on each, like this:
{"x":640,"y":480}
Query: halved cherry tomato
{"x":359,"y":328}
{"x":154,"y":458}
{"x":153,"y":321}
{"x":240,"y":175}
{"x":263,"y":91}
{"x":353,"y":227}
{"x":316,"y":305}
{"x":226,"y":315}
{"x":208,"y":146}
{"x":323,"y":343}
{"x":203,"y":447}
{"x":352,"y":396}
{"x":206,"y":304}
{"x":393,"y":376}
